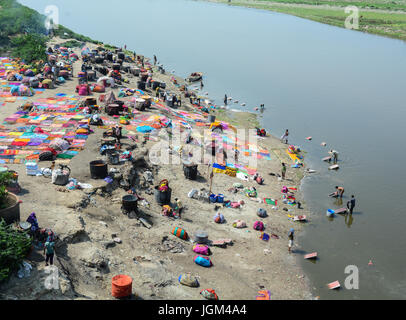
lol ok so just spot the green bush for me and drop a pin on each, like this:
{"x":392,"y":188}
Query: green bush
{"x":14,"y":246}
{"x":5,"y":179}
{"x":72,"y":44}
{"x":29,"y":47}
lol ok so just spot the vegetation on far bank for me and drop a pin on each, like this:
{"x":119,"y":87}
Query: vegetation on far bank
{"x":382,"y":17}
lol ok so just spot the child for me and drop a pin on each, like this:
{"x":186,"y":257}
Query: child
{"x":179,"y":207}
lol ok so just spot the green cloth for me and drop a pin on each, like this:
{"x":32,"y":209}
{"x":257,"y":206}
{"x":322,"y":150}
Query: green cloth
{"x":49,"y":246}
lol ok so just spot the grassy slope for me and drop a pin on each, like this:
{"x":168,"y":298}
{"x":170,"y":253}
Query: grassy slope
{"x":16,"y":20}
{"x":376,"y":16}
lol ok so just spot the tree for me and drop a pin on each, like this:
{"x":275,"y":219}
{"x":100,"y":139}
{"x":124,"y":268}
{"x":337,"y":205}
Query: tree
{"x":29,"y":47}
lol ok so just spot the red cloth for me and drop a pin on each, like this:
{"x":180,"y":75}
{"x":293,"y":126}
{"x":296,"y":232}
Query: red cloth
{"x":52,"y":150}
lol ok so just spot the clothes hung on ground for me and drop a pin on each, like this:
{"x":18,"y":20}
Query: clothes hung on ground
{"x":53,"y":123}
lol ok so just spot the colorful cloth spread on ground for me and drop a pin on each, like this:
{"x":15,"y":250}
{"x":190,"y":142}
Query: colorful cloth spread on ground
{"x":228,"y":139}
{"x":7,"y":64}
{"x":35,"y":130}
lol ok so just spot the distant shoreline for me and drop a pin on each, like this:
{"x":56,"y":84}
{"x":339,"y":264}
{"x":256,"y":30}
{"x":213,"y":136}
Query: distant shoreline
{"x":376,"y":17}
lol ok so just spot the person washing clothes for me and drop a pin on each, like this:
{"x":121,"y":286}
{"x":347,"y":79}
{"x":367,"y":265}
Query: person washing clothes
{"x":334,"y":155}
{"x":338,"y":193}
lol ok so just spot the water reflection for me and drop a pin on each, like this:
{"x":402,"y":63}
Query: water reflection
{"x":349,"y":220}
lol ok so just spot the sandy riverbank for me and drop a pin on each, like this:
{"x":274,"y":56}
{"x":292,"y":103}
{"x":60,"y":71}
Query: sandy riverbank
{"x":154,"y":258}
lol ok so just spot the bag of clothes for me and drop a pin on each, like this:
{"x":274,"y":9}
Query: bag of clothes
{"x":218,"y":218}
{"x":180,"y":233}
{"x":203,"y":261}
{"x":188,"y":280}
{"x":259,"y":226}
{"x":239,"y":224}
{"x":209,"y":294}
{"x":201,"y":249}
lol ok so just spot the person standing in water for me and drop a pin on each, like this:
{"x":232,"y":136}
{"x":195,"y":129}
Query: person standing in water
{"x":201,"y":85}
{"x":351,"y":204}
{"x":284,"y":138}
{"x":334,"y":155}
{"x":155,"y":60}
{"x":225,"y":100}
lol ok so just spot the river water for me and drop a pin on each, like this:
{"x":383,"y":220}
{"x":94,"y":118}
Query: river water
{"x":343,"y":87}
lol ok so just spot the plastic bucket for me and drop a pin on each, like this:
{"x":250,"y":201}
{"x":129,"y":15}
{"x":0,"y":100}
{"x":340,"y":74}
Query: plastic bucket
{"x":213,"y":198}
{"x":121,"y":286}
{"x":220,"y":198}
{"x":211,"y":118}
{"x":98,"y":169}
{"x":330,"y":212}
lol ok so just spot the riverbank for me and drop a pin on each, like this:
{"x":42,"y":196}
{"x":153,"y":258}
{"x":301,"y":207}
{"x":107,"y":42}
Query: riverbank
{"x":88,"y":259}
{"x":376,"y":17}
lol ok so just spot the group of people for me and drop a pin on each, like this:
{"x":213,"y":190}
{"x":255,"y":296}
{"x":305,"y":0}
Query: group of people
{"x":339,"y":194}
{"x":45,"y":236}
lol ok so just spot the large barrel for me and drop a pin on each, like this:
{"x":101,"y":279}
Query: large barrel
{"x":98,"y":169}
{"x":141,"y":85}
{"x":64,"y":73}
{"x":116,"y":66}
{"x":190,"y":171}
{"x":162,"y":197}
{"x":135,"y":71}
{"x":121,"y":286}
{"x":144,"y":76}
{"x":91,"y":75}
{"x":12,"y":212}
{"x":155,"y":84}
{"x":109,"y":56}
{"x":121,"y":55}
{"x":212,"y":118}
{"x":113,"y":109}
{"x":114,"y":158}
{"x":130,"y":202}
{"x":147,"y":101}
{"x":140,"y":104}
{"x":98,"y":59}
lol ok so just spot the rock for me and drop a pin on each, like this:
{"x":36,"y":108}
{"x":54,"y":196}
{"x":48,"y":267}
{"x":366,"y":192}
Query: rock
{"x":117,"y":240}
{"x":94,"y":258}
{"x":72,"y":232}
{"x":108,"y":244}
{"x":103,"y":223}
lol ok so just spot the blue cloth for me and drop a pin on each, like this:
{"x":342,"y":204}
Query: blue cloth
{"x":203,"y":261}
